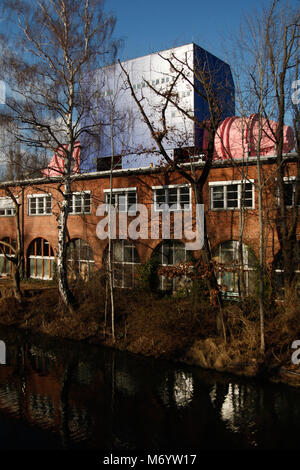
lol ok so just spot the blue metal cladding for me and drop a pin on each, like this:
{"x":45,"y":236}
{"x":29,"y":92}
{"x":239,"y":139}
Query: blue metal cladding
{"x":223,"y":87}
{"x":132,"y":138}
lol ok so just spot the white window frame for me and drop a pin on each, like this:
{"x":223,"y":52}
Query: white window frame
{"x":79,"y":261}
{"x":213,"y":184}
{"x":39,"y":196}
{"x":163,"y":280}
{"x":121,"y":264}
{"x":121,"y":190}
{"x":81,"y":194}
{"x":43,"y":258}
{"x":247,"y":269}
{"x":8,"y":211}
{"x":167,"y":207}
{"x":288,"y":179}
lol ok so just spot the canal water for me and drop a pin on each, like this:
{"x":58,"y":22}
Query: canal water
{"x":57,"y":394}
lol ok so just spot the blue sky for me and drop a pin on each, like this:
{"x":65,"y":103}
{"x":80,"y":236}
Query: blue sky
{"x":154,"y":25}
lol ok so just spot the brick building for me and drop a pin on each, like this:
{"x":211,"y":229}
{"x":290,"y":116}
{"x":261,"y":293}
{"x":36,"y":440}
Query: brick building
{"x":152,"y":187}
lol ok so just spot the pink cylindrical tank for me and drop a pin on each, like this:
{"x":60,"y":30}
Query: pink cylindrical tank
{"x":57,"y":162}
{"x":238,"y":136}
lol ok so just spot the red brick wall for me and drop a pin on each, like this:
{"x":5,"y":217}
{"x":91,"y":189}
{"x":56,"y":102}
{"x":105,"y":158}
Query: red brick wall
{"x":223,"y":225}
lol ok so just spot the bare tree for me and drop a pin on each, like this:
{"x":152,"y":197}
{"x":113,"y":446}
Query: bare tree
{"x":265,"y":60}
{"x":47,"y":65}
{"x":278,"y":55}
{"x":203,"y":79}
{"x":120,"y":122}
{"x":14,"y":252}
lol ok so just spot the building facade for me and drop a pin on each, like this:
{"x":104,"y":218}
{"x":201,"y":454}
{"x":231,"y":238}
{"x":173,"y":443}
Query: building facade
{"x":228,"y":196}
{"x":144,"y":191}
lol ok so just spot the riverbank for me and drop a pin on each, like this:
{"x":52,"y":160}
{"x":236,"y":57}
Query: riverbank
{"x":179,"y":328}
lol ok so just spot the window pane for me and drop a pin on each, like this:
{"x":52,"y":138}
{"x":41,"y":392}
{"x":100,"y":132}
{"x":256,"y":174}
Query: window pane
{"x":232,"y":195}
{"x":40,"y":205}
{"x":173,"y":196}
{"x":88,"y":253}
{"x":52,"y":264}
{"x":252,"y":282}
{"x":132,"y":199}
{"x":71,"y":208}
{"x":135,"y":255}
{"x":32,"y":267}
{"x":117,"y":252}
{"x":166,"y":253}
{"x":48,"y":204}
{"x":87,"y":202}
{"x":84,"y":270}
{"x":32,"y":205}
{"x":46,"y":248}
{"x":38,"y":247}
{"x":184,"y":196}
{"x":122,"y":202}
{"x":228,"y":253}
{"x":165,"y":283}
{"x":39,"y":263}
{"x":77,"y":203}
{"x":229,"y":280}
{"x":218,"y":197}
{"x":288,"y":194}
{"x":46,"y":268}
{"x":128,"y":276}
{"x":2,"y":265}
{"x":160,"y":197}
{"x":113,"y":199}
{"x":247,"y":196}
{"x":127,"y":254}
{"x":118,"y":275}
{"x":179,"y":254}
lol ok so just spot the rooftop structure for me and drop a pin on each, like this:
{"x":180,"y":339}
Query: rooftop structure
{"x":122,"y":119}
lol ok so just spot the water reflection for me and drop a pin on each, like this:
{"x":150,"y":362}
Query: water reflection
{"x":177,"y":389}
{"x":94,"y":398}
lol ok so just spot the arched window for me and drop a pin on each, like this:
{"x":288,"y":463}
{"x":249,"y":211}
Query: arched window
{"x":41,"y":261}
{"x":5,"y":252}
{"x":170,"y":253}
{"x":80,"y":259}
{"x":235,"y":273}
{"x":124,"y":263}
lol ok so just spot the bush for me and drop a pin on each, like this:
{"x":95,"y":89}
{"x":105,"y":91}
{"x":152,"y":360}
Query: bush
{"x":147,"y":275}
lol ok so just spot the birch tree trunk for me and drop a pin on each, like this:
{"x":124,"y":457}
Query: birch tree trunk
{"x":110,"y":273}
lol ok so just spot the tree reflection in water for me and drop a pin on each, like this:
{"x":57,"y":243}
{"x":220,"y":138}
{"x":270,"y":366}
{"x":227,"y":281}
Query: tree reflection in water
{"x":93,"y":398}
